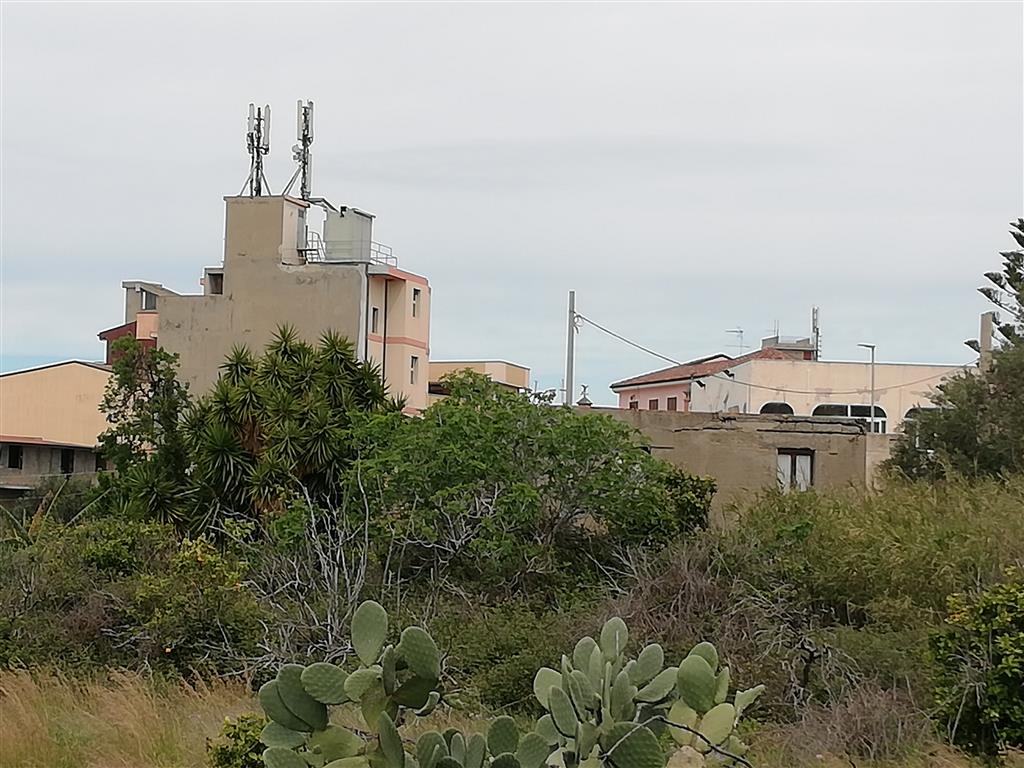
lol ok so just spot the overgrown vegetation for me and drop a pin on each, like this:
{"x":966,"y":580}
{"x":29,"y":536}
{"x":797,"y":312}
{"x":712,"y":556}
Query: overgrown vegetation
{"x":243,"y":529}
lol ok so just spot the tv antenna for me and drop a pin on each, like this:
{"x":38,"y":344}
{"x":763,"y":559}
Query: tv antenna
{"x":738,"y":333}
{"x":257,"y":141}
{"x":300,"y":152}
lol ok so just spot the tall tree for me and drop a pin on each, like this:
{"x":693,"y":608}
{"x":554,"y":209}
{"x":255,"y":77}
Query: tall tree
{"x":978,"y":425}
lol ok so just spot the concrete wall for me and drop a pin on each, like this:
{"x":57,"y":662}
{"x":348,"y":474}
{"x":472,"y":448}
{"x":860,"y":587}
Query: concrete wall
{"x":740,"y":452}
{"x":898,"y":386}
{"x":58,"y":403}
{"x":40,"y":462}
{"x":265,"y":285}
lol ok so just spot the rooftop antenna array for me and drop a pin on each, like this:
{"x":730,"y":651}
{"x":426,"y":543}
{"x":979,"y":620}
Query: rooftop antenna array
{"x":816,"y":332}
{"x":300,"y":152}
{"x":257,"y":141}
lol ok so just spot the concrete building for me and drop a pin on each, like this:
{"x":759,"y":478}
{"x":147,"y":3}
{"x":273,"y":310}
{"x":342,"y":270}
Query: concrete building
{"x":747,"y":453}
{"x":277,"y":270}
{"x":50,"y":422}
{"x":785,"y":376}
{"x":515,"y":377}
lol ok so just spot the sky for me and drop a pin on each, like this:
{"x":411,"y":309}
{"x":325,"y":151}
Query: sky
{"x":686,"y":168}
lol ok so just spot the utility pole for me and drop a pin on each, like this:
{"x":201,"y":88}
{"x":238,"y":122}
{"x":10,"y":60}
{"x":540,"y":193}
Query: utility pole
{"x":570,"y":348}
{"x":872,"y":348}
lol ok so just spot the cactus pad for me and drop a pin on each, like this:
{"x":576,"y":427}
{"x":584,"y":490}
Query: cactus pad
{"x":503,"y":736}
{"x":707,"y":652}
{"x":335,"y":743}
{"x":622,"y":706}
{"x":325,"y":682}
{"x":420,"y":653}
{"x":581,"y":653}
{"x":279,"y":757}
{"x":369,"y":630}
{"x":682,"y":714}
{"x":631,"y":745}
{"x":390,"y":742}
{"x":274,"y":707}
{"x":722,"y":685}
{"x":276,"y":735}
{"x":660,"y":688}
{"x":648,"y":664}
{"x":476,"y":751}
{"x":696,"y":683}
{"x":562,"y":713}
{"x":532,"y":751}
{"x":543,"y":682}
{"x":360,"y":681}
{"x":716,"y":726}
{"x":505,"y":760}
{"x":614,"y":636}
{"x":745,"y":699}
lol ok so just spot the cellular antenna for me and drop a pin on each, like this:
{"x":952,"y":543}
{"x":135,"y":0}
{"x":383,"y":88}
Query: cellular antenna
{"x":300,"y":152}
{"x":257,"y":142}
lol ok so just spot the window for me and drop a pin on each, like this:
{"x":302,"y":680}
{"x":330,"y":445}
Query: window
{"x":652,"y":405}
{"x":15,"y":456}
{"x":795,"y":469}
{"x":784,"y":409}
{"x":414,"y":369}
{"x":101,"y":462}
{"x":861,"y":413}
{"x":216,"y":284}
{"x":634,"y":405}
{"x":671,"y":404}
{"x":148,"y":300}
{"x":415,"y":302}
{"x":67,"y":461}
{"x":374,"y":320}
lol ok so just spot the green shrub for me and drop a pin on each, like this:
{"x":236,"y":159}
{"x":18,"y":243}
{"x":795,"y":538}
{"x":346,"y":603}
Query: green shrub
{"x":980,"y":654}
{"x":238,"y":745}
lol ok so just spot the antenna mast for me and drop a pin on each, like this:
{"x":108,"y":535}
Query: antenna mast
{"x":257,"y":141}
{"x":300,"y":152}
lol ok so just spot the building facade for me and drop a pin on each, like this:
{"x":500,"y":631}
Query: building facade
{"x":785,"y":377}
{"x":747,"y":453}
{"x":510,"y":375}
{"x":278,"y":271}
{"x":50,"y":422}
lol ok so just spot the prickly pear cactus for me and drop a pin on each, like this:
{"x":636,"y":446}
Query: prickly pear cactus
{"x":607,"y":711}
{"x":603,"y":710}
{"x":389,"y":683}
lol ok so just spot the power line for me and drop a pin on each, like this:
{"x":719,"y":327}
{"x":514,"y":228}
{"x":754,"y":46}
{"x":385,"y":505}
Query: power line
{"x":751,"y":384}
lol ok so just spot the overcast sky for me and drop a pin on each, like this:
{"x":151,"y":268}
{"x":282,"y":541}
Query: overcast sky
{"x":686,"y":168}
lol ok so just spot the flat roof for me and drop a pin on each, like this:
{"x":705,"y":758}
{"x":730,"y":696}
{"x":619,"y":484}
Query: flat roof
{"x":478,"y":360}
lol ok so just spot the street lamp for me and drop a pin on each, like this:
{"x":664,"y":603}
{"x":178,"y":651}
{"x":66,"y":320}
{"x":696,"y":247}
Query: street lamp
{"x":872,"y":348}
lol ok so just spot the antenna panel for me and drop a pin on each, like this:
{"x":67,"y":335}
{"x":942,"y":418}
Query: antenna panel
{"x":266,"y":128}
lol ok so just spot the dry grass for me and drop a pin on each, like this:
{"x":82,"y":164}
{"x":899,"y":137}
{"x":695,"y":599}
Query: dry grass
{"x":48,"y":721}
{"x":126,"y":721}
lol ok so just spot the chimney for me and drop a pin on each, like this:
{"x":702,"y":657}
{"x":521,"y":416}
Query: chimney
{"x":985,"y":341}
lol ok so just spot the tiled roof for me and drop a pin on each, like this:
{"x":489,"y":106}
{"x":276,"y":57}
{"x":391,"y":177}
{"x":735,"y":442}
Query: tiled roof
{"x":696,"y":369}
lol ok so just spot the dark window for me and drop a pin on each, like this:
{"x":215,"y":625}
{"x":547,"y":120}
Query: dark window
{"x":217,"y":283}
{"x":671,"y":404}
{"x":634,"y":405}
{"x":148,"y":300}
{"x":101,"y":462}
{"x":652,"y":405}
{"x":795,"y":469}
{"x":784,"y":409}
{"x":415,"y":302}
{"x":374,"y":320}
{"x":830,"y":409}
{"x":414,"y":369}
{"x":67,"y":461}
{"x":15,"y":456}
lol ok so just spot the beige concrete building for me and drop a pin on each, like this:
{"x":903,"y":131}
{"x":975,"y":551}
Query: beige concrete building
{"x":511,"y":375}
{"x":277,"y":270}
{"x":786,"y":377}
{"x":50,"y":422}
{"x":748,"y":453}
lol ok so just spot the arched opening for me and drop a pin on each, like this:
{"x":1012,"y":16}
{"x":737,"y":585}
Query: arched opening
{"x":861,"y":413}
{"x":783,"y":409}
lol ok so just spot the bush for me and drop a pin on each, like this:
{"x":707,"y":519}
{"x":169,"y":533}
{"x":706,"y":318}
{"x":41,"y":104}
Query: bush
{"x":980,"y":654}
{"x":238,"y":745}
{"x":123,"y":593}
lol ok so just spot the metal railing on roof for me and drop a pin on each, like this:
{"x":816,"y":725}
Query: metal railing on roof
{"x":382,"y":254}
